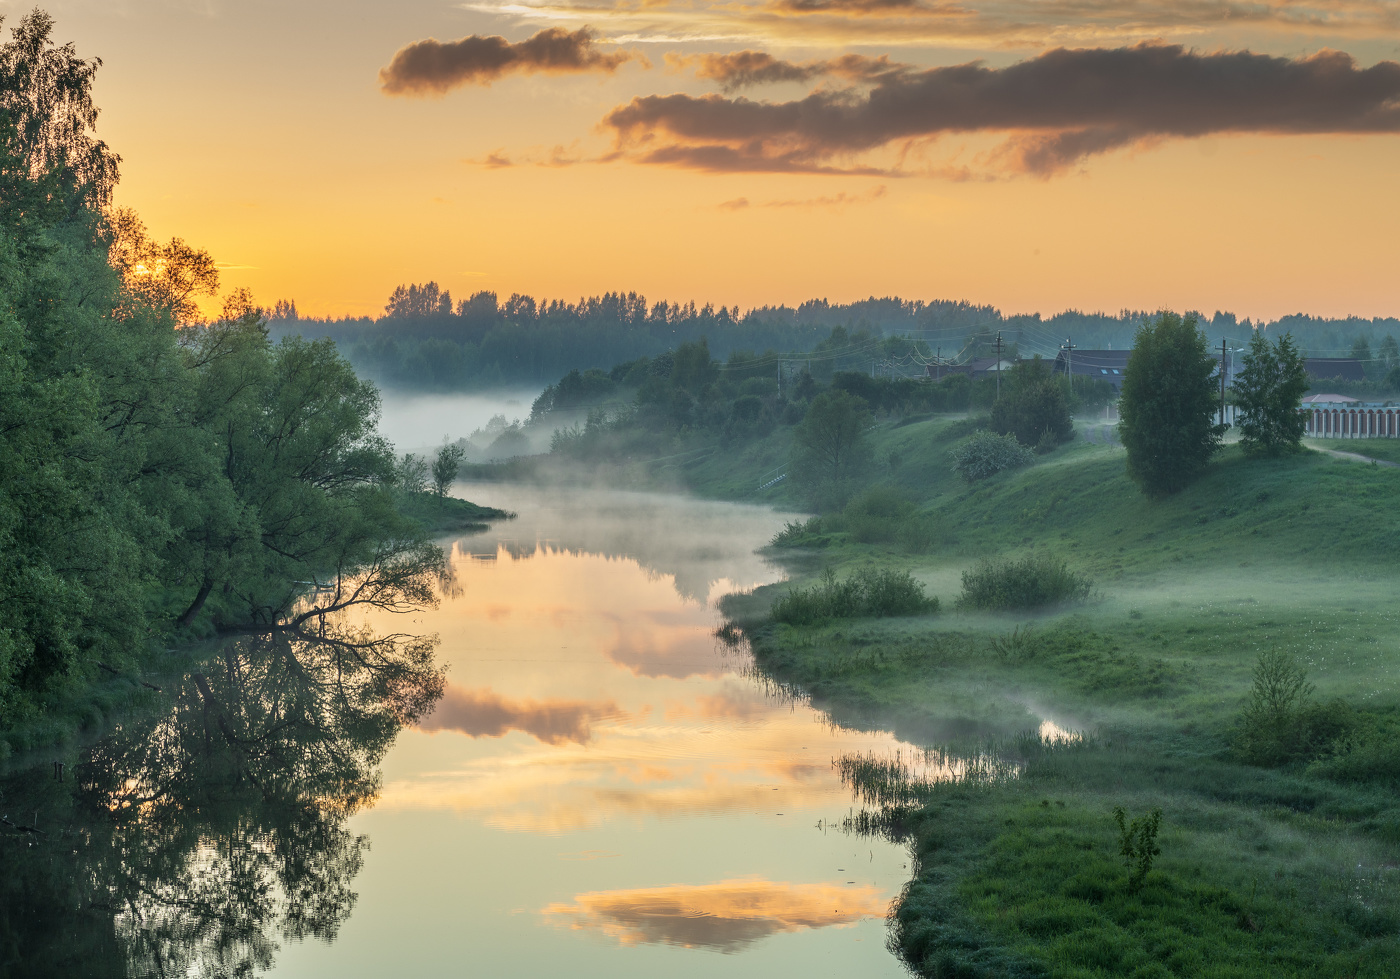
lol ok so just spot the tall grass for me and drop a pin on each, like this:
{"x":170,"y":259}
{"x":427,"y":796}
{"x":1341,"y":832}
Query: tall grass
{"x":869,"y":592}
{"x":1034,"y":581}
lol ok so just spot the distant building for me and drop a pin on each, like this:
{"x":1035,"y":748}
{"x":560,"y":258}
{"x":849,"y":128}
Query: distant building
{"x":1106,"y":365}
{"x":1334,"y":369}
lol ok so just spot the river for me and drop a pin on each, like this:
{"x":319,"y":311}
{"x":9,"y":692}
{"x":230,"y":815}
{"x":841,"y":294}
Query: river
{"x":603,"y":788}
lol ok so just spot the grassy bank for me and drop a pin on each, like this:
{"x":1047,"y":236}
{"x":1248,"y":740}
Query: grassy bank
{"x":449,"y":515}
{"x":1279,"y":870}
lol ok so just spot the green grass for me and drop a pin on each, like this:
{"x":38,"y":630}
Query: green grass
{"x":1264,"y":871}
{"x":447,"y":514}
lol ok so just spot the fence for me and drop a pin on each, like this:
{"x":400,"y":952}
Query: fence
{"x":1352,"y":421}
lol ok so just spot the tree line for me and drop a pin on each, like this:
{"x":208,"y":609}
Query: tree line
{"x":158,"y":479}
{"x":426,"y":340}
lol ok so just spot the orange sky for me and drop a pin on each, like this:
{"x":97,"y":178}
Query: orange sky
{"x":258,"y":130}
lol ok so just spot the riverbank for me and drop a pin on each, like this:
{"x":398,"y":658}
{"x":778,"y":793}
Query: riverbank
{"x":94,"y":704}
{"x":1130,"y":699}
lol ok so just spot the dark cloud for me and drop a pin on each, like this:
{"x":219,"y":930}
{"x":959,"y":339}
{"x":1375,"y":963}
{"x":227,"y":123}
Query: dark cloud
{"x":434,"y":67}
{"x":743,"y":69}
{"x":486,"y":714}
{"x":1060,"y":107}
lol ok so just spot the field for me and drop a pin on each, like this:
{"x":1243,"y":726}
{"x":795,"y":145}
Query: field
{"x":1271,"y":864}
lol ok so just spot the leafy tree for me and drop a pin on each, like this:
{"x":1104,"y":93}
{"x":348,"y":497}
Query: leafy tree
{"x":169,"y":277}
{"x":1034,"y":404}
{"x":1388,"y":353}
{"x":446,"y":465}
{"x":46,"y":97}
{"x":413,"y":473}
{"x":1269,"y":392}
{"x":1168,"y":405}
{"x":830,"y":448}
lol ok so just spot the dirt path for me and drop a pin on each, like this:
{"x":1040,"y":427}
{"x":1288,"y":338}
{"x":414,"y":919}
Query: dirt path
{"x":1357,"y":457}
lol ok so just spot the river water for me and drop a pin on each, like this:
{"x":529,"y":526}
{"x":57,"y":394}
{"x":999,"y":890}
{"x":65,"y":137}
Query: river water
{"x":602,"y":789}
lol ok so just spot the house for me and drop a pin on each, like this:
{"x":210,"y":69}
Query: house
{"x":1334,"y":369}
{"x":1106,"y":365}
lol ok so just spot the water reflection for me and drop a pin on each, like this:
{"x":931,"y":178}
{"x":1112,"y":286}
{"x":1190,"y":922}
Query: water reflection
{"x":726,"y":916}
{"x":194,"y":841}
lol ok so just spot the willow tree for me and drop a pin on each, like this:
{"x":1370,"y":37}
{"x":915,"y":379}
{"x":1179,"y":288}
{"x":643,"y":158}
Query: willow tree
{"x":1168,"y":405}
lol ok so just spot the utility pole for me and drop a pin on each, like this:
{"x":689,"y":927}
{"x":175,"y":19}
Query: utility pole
{"x":1222,"y":380}
{"x":938,"y":365}
{"x":1068,"y":348}
{"x":998,"y":365}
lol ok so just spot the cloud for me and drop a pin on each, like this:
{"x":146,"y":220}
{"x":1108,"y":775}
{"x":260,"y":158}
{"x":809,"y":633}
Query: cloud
{"x":486,"y":714}
{"x":1031,"y":25}
{"x":726,"y":916}
{"x":434,"y":67}
{"x":743,"y":69}
{"x":1058,"y":108}
{"x":827,"y":200}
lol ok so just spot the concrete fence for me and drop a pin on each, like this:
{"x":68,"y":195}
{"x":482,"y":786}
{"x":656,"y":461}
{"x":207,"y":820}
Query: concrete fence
{"x":1352,"y":421}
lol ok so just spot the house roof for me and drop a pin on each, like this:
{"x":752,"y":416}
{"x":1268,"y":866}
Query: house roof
{"x":1334,"y":368}
{"x":1107,"y":365}
{"x":1314,"y":399}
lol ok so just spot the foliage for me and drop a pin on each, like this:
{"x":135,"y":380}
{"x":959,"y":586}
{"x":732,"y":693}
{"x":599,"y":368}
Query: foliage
{"x":1033,"y":406}
{"x":46,"y":98}
{"x":1280,"y":723}
{"x":412,"y":475}
{"x":867,"y":592}
{"x":831,"y":452}
{"x":1269,"y":392}
{"x":1167,"y":406}
{"x":1033,"y":581}
{"x":985,"y":454}
{"x":446,"y":466}
{"x":157,"y":481}
{"x":1137,"y":844}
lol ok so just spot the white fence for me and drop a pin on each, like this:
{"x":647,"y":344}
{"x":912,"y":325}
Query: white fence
{"x":1352,"y":420}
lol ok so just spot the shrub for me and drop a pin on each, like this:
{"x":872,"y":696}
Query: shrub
{"x":1034,"y":407}
{"x":1271,"y":730}
{"x":796,"y":533}
{"x":1137,"y":843}
{"x":984,"y":454}
{"x":1031,"y":582}
{"x":880,"y":514}
{"x":869,"y":592}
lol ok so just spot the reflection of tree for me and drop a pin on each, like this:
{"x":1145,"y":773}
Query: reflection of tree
{"x":189,"y":843}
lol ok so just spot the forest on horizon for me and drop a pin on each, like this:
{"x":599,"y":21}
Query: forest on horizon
{"x":426,"y":341}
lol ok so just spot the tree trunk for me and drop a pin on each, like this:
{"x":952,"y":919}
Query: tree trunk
{"x":188,"y":616}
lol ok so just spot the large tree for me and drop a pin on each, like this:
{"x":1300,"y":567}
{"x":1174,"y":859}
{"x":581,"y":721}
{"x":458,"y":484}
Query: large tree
{"x":1168,"y":405}
{"x":1269,"y":391}
{"x":830,"y":448}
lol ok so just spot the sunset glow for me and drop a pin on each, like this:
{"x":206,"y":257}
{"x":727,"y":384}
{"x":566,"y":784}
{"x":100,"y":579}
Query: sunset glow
{"x":329,"y":152}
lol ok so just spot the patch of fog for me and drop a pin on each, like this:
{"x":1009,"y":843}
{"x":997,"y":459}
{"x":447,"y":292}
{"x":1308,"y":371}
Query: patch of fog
{"x":420,"y":422}
{"x":707,"y":546}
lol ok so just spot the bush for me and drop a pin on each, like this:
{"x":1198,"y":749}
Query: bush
{"x":1137,"y":844}
{"x":1031,"y":582}
{"x":984,"y":454}
{"x":796,"y":533}
{"x":870,"y":592}
{"x":1271,"y":730}
{"x":1034,"y":407}
{"x":879,"y":515}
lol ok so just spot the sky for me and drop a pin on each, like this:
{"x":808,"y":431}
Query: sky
{"x":1037,"y":155}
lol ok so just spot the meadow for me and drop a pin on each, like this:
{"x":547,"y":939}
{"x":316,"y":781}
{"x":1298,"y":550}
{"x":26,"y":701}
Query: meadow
{"x":1132,"y":695}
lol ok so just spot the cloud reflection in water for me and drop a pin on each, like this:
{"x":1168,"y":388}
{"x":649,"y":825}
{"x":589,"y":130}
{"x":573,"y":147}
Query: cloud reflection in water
{"x":725,"y":916}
